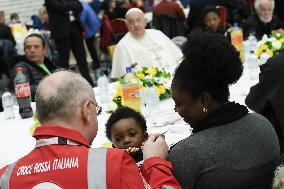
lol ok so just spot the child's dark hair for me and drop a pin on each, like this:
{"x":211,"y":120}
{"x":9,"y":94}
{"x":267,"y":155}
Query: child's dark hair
{"x":125,"y":113}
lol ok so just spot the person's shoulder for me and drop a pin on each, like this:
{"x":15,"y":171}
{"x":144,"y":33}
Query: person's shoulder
{"x":124,"y":39}
{"x":188,"y":144}
{"x":257,"y":122}
{"x":20,"y":61}
{"x":156,"y":33}
{"x":274,"y":63}
{"x":276,"y":19}
{"x":153,"y":31}
{"x":251,"y":19}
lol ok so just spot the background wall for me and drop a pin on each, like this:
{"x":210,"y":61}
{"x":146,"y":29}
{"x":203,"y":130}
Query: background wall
{"x":25,"y":8}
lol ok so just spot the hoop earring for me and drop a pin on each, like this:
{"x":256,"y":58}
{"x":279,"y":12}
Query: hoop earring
{"x":204,"y":109}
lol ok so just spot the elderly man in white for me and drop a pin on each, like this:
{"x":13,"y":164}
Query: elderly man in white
{"x":146,"y":47}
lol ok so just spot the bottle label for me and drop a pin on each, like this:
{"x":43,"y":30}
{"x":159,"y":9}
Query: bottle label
{"x":22,"y":90}
{"x":130,"y":91}
{"x":237,"y":39}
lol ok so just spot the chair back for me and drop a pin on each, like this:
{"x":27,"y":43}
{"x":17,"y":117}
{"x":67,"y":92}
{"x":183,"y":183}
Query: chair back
{"x":169,"y":24}
{"x":110,"y":51}
{"x":106,"y":33}
{"x":118,"y":26}
{"x":223,"y":15}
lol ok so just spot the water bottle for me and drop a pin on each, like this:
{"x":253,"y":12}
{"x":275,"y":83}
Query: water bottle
{"x":131,"y":90}
{"x":263,"y":57}
{"x":7,"y":103}
{"x":103,"y":86}
{"x":237,"y":40}
{"x":253,"y":66}
{"x":151,"y":97}
{"x":23,"y":94}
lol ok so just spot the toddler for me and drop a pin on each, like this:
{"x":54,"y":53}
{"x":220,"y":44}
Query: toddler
{"x":127,"y":129}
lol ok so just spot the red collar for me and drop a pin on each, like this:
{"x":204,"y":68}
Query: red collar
{"x":51,"y":131}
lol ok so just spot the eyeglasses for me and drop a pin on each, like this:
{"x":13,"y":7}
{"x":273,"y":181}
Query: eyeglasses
{"x":98,"y":108}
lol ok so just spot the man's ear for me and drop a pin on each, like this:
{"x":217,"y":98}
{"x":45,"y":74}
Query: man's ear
{"x":86,"y":111}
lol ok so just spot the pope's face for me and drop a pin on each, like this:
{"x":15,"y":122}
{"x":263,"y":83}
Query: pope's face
{"x":136,"y":24}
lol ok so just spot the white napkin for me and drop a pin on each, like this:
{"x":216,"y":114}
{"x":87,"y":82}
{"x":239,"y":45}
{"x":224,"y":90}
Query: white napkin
{"x":164,"y":119}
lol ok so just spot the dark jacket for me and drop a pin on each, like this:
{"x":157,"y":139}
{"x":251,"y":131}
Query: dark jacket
{"x":59,"y":18}
{"x":236,"y":155}
{"x":258,"y":28}
{"x":266,"y":97}
{"x":6,"y":33}
{"x":33,"y":72}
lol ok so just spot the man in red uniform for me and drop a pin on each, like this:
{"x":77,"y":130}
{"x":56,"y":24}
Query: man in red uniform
{"x":67,"y":108}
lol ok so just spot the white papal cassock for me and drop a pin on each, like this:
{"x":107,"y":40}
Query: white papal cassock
{"x":154,"y":49}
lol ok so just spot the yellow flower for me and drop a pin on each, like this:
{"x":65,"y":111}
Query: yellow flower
{"x":281,"y":40}
{"x":152,"y":71}
{"x":160,"y":89}
{"x":140,"y":75}
{"x":269,"y":52}
{"x":260,"y":49}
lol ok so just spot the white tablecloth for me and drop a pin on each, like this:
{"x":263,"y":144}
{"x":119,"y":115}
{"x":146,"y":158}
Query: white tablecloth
{"x":16,"y":140}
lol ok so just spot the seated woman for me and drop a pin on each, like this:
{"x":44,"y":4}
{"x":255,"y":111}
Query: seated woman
{"x":211,"y":20}
{"x":229,"y":147}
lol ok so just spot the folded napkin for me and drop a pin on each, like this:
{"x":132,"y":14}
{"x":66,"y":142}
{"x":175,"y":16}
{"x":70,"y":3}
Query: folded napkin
{"x":164,"y":119}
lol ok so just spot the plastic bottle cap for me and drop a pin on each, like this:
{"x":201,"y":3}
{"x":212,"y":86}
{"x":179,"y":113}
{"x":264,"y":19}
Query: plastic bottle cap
{"x":149,"y":84}
{"x":128,"y":69}
{"x":235,"y":25}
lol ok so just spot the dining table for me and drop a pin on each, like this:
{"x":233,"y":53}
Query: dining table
{"x":16,"y":138}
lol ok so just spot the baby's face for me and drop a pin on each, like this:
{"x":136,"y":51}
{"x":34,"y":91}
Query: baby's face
{"x":127,"y":133}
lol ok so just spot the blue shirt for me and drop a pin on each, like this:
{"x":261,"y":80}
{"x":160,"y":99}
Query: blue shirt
{"x":90,"y":20}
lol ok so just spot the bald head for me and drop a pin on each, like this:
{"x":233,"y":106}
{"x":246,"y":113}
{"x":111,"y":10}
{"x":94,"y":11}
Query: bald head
{"x":136,"y":22}
{"x":59,"y":96}
{"x":134,"y":10}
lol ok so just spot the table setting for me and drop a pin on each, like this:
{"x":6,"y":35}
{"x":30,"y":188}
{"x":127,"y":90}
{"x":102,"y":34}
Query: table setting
{"x":16,"y":134}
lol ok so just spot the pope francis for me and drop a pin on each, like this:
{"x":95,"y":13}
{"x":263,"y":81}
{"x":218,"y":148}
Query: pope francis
{"x":145,"y":47}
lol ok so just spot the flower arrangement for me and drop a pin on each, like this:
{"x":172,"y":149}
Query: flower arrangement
{"x":272,"y":46}
{"x":160,"y":79}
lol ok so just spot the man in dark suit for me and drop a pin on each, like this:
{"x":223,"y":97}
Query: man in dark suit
{"x":266,"y":97}
{"x":66,"y":28}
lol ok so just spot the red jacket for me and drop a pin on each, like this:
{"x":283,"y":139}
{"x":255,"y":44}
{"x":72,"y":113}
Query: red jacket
{"x":66,"y":165}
